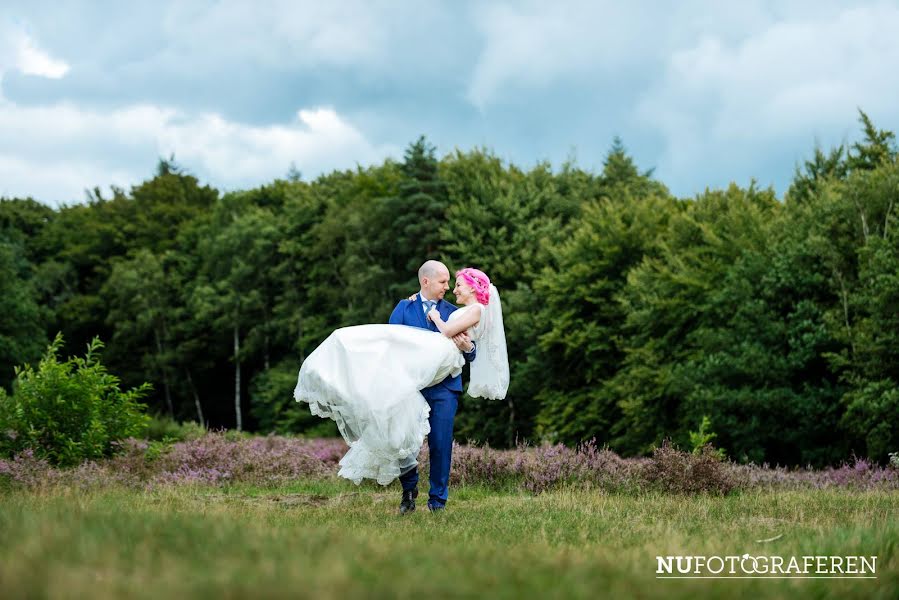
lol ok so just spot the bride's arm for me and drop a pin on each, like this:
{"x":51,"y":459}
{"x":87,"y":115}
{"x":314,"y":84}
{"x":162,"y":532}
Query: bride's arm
{"x":456,"y":326}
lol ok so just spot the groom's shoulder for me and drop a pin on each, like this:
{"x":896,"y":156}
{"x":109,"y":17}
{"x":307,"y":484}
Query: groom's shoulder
{"x":397,"y":317}
{"x":402,"y":305}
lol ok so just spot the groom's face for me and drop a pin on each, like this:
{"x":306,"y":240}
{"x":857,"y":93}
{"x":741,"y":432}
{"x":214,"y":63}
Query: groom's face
{"x":435,"y":287}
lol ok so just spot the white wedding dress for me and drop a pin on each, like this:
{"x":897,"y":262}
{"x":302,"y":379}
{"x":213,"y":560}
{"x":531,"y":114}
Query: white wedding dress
{"x":367,"y":378}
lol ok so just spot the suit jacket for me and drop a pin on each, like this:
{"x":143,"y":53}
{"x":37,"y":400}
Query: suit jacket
{"x":412,"y":313}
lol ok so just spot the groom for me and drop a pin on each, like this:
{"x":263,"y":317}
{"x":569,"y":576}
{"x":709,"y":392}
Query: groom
{"x":443,"y":398}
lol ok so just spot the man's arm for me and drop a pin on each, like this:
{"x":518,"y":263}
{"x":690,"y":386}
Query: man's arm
{"x":470,"y":356}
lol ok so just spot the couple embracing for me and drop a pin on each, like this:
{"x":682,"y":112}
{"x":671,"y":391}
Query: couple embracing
{"x":389,"y":386}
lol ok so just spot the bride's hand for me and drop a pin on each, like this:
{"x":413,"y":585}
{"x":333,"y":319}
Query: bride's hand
{"x":463,"y":342}
{"x":413,"y":297}
{"x":434,"y":315}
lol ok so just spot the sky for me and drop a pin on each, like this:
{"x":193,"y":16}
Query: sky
{"x":706,"y":92}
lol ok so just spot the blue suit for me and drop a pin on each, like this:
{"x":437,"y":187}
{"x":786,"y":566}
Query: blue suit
{"x":443,"y":398}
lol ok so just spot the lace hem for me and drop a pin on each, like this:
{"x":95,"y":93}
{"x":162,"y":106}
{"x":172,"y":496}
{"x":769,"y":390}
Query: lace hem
{"x":366,"y":458}
{"x":488,"y":391}
{"x":361,"y":462}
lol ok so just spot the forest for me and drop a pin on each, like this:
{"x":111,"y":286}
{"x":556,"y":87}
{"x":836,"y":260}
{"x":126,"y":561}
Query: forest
{"x":632,"y":316}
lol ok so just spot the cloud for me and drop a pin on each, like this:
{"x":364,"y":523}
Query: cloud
{"x":535,"y":45}
{"x":31,"y":60}
{"x":55,"y":181}
{"x":280,"y":32}
{"x":18,"y":51}
{"x":55,"y":152}
{"x":721,"y":106}
{"x":706,"y":92}
{"x":245,"y":60}
{"x":319,"y":139}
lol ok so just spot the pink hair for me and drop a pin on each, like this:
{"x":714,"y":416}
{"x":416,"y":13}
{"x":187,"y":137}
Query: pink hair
{"x":478,"y":282}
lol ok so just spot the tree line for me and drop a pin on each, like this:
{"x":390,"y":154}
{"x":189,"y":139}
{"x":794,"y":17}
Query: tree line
{"x":631,"y":315}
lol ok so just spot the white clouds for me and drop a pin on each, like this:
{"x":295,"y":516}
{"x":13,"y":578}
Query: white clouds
{"x":726,"y":103}
{"x":538,"y":44}
{"x":319,"y":139}
{"x":277,"y":32}
{"x":56,"y":150}
{"x":54,"y":153}
{"x":726,"y":91}
{"x":31,"y":60}
{"x":57,"y":181}
{"x":705,"y":91}
{"x":20,"y":52}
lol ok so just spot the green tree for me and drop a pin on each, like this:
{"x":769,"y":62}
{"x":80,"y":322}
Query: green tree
{"x":581,"y":347}
{"x":160,"y":206}
{"x":22,"y":321}
{"x":235,"y":288}
{"x":865,"y":318}
{"x":501,"y":221}
{"x":667,"y":299}
{"x":878,"y":147}
{"x":418,"y":209}
{"x":141,"y":305}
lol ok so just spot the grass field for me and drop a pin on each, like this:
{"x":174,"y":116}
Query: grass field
{"x":324,"y":538}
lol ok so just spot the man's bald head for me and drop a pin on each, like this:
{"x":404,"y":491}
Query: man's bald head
{"x":434,"y":278}
{"x":431,"y":269}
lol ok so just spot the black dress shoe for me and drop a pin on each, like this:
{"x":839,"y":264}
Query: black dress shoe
{"x":436,"y":508}
{"x":408,"y":503}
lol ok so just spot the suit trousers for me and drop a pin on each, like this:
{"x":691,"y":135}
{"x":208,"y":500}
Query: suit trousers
{"x":443,"y":403}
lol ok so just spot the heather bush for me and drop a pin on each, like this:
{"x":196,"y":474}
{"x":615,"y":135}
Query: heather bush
{"x":672,"y":470}
{"x":258,"y":460}
{"x":609,"y":471}
{"x":477,"y":465}
{"x":545,"y":467}
{"x":222,"y":459}
{"x":860,"y":474}
{"x":23,"y":470}
{"x":67,"y":412}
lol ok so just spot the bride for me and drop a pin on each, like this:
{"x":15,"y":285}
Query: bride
{"x":369,"y":378}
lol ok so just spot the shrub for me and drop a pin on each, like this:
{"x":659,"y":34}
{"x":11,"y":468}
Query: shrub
{"x":66,"y":412}
{"x":702,"y":438}
{"x":673,"y":470}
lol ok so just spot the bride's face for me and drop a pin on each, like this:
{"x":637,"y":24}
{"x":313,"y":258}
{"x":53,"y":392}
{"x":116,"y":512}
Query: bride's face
{"x":462,"y":291}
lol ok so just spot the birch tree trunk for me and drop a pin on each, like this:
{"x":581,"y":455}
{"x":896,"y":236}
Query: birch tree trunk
{"x":165,"y":374}
{"x":237,"y":378}
{"x":193,"y":389}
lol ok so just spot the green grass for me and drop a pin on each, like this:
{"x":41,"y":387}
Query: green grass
{"x":328,"y":539}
